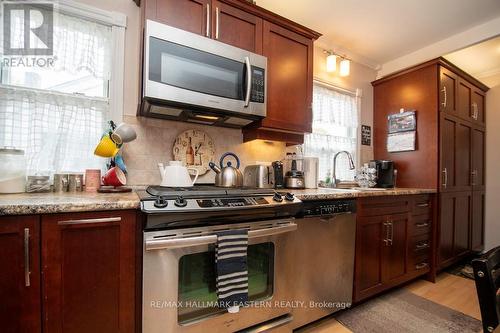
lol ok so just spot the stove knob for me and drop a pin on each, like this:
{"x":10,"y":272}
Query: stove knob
{"x":289,"y":197}
{"x":180,"y":202}
{"x":161,"y":202}
{"x":277,"y":197}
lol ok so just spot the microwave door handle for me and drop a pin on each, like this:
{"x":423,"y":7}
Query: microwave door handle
{"x":177,"y":243}
{"x":249,"y":81}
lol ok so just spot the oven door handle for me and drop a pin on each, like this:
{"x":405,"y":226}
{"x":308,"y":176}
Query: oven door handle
{"x":177,"y":243}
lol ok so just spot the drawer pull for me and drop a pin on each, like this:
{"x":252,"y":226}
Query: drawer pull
{"x":423,"y":205}
{"x":422,"y":225}
{"x":27,"y":271}
{"x":422,"y":245}
{"x":421,"y":265}
{"x":90,"y":221}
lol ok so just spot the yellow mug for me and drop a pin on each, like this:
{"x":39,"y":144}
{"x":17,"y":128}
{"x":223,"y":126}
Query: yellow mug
{"x":106,"y":147}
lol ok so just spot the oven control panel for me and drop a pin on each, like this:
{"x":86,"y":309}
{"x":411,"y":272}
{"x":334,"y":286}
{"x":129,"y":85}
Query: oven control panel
{"x":258,"y":85}
{"x":331,"y":207}
{"x":232,"y":202}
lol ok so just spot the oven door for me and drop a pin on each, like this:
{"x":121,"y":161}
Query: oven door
{"x":179,"y":278}
{"x":186,"y":68}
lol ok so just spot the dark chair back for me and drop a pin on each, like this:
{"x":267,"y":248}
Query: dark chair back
{"x":487,"y":277}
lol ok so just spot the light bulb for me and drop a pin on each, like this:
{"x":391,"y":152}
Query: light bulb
{"x":345,"y":65}
{"x":331,"y":63}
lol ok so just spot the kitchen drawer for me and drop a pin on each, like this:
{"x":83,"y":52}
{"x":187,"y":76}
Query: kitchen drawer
{"x":421,"y":225}
{"x":383,"y":206}
{"x":419,"y":262}
{"x":420,"y":244}
{"x":422,"y":204}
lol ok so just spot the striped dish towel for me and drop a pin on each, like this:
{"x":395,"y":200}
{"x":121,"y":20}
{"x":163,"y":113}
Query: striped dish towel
{"x":232,"y":269}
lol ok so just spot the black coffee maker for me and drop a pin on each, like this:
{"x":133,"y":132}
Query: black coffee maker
{"x":386,"y":173}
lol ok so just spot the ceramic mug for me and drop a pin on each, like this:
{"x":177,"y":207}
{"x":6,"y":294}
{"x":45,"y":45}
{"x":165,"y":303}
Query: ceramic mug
{"x":114,"y":177}
{"x":106,"y":147}
{"x":92,"y":180}
{"x":123,"y":133}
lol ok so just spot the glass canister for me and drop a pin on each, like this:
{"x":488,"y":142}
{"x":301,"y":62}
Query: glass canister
{"x":12,"y":170}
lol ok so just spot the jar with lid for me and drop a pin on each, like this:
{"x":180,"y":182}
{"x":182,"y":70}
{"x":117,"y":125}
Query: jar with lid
{"x":12,"y":170}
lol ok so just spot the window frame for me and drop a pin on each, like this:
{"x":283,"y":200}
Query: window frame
{"x":118,"y":23}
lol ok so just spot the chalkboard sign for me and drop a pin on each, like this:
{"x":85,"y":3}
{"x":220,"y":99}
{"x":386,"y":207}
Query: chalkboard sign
{"x":366,"y":135}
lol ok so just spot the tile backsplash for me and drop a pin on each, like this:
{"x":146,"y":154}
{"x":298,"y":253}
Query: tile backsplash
{"x":155,"y":139}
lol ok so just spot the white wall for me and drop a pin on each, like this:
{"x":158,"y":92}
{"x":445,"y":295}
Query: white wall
{"x":492,"y":224}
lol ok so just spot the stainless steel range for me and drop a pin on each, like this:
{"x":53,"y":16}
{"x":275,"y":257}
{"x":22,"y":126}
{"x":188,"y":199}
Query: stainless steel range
{"x":179,"y":291}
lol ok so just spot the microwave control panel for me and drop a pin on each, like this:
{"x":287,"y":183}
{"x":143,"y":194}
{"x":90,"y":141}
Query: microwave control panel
{"x":258,"y":85}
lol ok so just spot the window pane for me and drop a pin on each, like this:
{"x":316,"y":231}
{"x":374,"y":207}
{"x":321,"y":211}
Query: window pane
{"x":80,"y":63}
{"x":335,"y":128}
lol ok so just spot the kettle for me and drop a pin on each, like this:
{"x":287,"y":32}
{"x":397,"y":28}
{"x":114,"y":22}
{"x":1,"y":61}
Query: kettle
{"x":227,"y":176}
{"x":176,"y":175}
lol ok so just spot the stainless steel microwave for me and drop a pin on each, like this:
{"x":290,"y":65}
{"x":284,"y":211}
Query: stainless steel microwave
{"x":192,"y":78}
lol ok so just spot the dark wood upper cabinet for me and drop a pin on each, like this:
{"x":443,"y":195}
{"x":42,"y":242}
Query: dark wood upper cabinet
{"x":20,"y":296}
{"x":464,"y":99}
{"x":289,"y":80}
{"x":89,"y":272}
{"x":450,"y":154}
{"x":478,"y":159}
{"x":448,"y":91}
{"x":189,"y":15}
{"x":477,"y":106}
{"x":236,"y":27}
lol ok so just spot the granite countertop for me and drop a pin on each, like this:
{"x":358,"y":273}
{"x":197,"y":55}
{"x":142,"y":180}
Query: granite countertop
{"x":46,"y":203}
{"x":331,"y":193}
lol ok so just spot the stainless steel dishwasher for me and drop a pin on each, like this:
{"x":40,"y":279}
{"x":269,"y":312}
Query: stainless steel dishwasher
{"x":322,"y":254}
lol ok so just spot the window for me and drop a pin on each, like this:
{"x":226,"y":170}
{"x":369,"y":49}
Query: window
{"x":56,"y":108}
{"x":335,"y":128}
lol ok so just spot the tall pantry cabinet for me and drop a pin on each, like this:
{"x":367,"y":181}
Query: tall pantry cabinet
{"x":450,"y":154}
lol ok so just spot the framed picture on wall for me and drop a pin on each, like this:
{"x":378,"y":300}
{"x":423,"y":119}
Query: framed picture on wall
{"x":403,"y":122}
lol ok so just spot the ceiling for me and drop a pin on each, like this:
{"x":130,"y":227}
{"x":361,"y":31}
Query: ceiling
{"x":384,"y":30}
{"x":480,"y":60}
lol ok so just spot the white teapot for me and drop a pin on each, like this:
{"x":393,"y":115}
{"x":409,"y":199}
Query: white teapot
{"x":176,"y":175}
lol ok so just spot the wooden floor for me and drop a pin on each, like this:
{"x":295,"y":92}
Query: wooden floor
{"x":449,"y":290}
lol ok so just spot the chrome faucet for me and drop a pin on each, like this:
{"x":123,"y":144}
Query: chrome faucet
{"x":336,"y":181}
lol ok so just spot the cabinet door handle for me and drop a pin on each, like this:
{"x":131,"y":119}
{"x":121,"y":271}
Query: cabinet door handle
{"x":208,"y":21}
{"x":473,"y":175}
{"x":445,"y":97}
{"x":423,"y":205}
{"x":216,"y":22}
{"x":422,"y":225}
{"x":422,"y":245}
{"x":386,"y":239}
{"x":445,"y":181}
{"x":27,"y":272}
{"x":90,"y":221}
{"x":391,"y":224}
{"x":421,"y":265}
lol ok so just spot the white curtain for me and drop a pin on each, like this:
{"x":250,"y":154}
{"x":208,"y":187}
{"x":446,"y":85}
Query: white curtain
{"x":335,"y":128}
{"x":52,"y":113}
{"x":57,"y":132}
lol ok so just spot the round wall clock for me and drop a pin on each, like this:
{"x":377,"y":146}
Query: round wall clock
{"x":195,"y":149}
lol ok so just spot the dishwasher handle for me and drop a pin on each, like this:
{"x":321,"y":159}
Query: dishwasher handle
{"x":176,"y":243}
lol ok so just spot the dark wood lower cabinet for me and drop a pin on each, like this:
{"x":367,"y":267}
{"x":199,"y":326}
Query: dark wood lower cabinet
{"x":89,"y":272}
{"x":20,"y":274}
{"x":477,"y":221}
{"x":393,"y":242}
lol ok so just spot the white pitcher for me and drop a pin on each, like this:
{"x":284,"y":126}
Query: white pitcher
{"x":176,"y":175}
